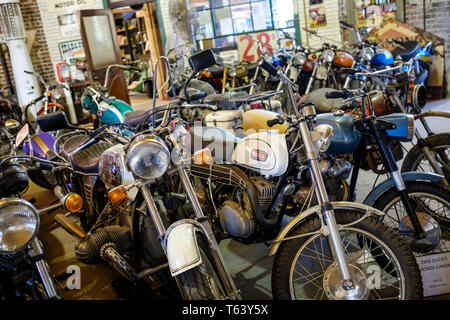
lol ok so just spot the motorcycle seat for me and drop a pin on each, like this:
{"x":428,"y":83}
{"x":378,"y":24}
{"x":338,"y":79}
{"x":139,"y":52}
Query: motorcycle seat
{"x":225,"y":100}
{"x":409,"y":50}
{"x":324,"y":105}
{"x":85,"y":161}
{"x":221,"y":142}
{"x":135,"y":118}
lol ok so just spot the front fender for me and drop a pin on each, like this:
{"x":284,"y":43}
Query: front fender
{"x":181,"y":246}
{"x":336,"y":204}
{"x":407,"y":176}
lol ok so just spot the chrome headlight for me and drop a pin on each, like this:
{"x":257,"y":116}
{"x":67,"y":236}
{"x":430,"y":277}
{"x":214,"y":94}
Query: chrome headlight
{"x":321,"y":137}
{"x":299,"y":59}
{"x":232,"y":73}
{"x":19,"y":224}
{"x":148,"y":157}
{"x":328,"y":56}
{"x":111,"y":166}
{"x":367,"y":54}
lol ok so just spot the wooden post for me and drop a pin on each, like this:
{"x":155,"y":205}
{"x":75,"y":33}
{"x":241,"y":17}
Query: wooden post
{"x":155,"y":45}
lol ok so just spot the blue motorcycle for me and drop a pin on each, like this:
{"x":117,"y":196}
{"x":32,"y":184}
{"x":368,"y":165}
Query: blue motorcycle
{"x":415,"y":203}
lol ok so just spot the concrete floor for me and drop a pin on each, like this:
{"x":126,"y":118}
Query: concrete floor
{"x":249,"y":264}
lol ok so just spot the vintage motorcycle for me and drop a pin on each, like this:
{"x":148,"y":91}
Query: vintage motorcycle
{"x":416,"y":205}
{"x":24,"y":273}
{"x":324,"y":252}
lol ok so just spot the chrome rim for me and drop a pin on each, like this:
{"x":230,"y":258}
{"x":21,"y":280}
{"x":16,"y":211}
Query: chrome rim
{"x":364,"y":251}
{"x":440,"y":154}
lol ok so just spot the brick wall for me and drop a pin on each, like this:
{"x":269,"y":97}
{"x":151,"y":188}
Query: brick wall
{"x":437,"y":14}
{"x":39,"y":52}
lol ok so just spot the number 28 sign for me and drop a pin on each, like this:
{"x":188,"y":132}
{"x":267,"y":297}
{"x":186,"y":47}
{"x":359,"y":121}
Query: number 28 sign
{"x":249,"y":49}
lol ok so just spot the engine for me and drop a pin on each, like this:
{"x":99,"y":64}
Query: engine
{"x":238,"y":219}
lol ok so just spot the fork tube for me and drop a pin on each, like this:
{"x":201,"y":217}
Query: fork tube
{"x":326,"y":207}
{"x":189,"y":189}
{"x":154,"y":212}
{"x":311,"y":79}
{"x":41,"y":266}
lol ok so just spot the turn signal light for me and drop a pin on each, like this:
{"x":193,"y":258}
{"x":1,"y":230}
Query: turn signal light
{"x":73,"y":202}
{"x":117,"y":194}
{"x":203,"y":156}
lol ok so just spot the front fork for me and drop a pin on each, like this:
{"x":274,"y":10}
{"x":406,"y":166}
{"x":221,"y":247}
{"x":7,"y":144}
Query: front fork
{"x":204,"y":224}
{"x":393,"y":170}
{"x":36,"y":253}
{"x":322,"y":199}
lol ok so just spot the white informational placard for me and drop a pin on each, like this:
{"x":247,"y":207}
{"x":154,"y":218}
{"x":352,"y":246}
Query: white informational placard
{"x":435,"y":271}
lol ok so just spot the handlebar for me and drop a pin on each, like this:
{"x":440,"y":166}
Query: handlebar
{"x":262,"y":63}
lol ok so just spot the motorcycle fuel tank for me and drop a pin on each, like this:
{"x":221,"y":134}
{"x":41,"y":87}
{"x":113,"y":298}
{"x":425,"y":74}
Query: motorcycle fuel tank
{"x":343,"y":60}
{"x":264,"y":152}
{"x":41,"y":146}
{"x":346,"y":137}
{"x":256,"y":120}
{"x":382,"y":57}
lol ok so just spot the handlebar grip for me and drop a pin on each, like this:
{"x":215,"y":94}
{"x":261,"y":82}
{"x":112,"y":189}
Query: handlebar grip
{"x":337,"y":95}
{"x":275,"y":121}
{"x":135,"y":69}
{"x":267,"y":66}
{"x":98,"y":131}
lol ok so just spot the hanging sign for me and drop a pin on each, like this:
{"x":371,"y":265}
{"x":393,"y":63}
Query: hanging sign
{"x":65,"y":5}
{"x":435,"y":271}
{"x":249,"y":49}
{"x":317,"y":18}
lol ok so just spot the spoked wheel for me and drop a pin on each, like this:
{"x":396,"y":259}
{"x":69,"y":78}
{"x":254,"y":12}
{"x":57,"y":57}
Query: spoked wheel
{"x":305,"y":268}
{"x":432,"y":206}
{"x":439,"y":144}
{"x":201,"y":282}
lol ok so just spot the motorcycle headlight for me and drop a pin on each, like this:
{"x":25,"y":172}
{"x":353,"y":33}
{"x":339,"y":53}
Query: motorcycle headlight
{"x":148,"y":157}
{"x":417,"y":96}
{"x":232,"y":73}
{"x":111,"y":167}
{"x":19,"y":224}
{"x":367,"y":54}
{"x":299,"y":59}
{"x":328,"y":56}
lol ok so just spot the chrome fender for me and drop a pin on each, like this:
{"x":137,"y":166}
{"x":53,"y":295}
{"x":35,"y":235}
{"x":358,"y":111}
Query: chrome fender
{"x":181,"y":247}
{"x":406,"y":176}
{"x":336,"y":204}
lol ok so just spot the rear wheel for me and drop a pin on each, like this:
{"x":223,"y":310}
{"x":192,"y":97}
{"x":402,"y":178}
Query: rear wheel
{"x":304,"y":268}
{"x":201,"y":282}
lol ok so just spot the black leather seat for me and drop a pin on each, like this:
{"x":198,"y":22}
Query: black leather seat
{"x":324,"y":105}
{"x":135,"y":118}
{"x":409,"y":50}
{"x":219,"y":141}
{"x":85,"y":161}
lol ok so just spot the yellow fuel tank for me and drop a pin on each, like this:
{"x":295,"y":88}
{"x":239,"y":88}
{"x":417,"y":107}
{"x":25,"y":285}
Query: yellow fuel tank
{"x":256,"y":120}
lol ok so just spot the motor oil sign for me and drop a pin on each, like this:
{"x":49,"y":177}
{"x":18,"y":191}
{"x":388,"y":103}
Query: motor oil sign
{"x":65,"y":5}
{"x":435,"y":271}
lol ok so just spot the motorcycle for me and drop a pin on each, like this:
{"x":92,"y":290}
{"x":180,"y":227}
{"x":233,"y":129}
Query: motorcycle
{"x":324,"y":252}
{"x":414,"y":203}
{"x":24,"y":273}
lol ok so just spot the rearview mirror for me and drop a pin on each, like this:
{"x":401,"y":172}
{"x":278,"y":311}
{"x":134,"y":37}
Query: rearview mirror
{"x":202,"y":60}
{"x":53,"y":121}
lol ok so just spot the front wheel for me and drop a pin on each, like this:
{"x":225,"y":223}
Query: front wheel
{"x":439,"y":145}
{"x":381,"y":265}
{"x":201,"y":282}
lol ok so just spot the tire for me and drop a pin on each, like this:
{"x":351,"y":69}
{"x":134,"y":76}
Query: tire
{"x":377,"y":233}
{"x":194,"y":283}
{"x":437,"y":143}
{"x":386,"y":203}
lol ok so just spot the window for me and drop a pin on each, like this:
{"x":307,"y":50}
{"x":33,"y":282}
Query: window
{"x":220,"y":21}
